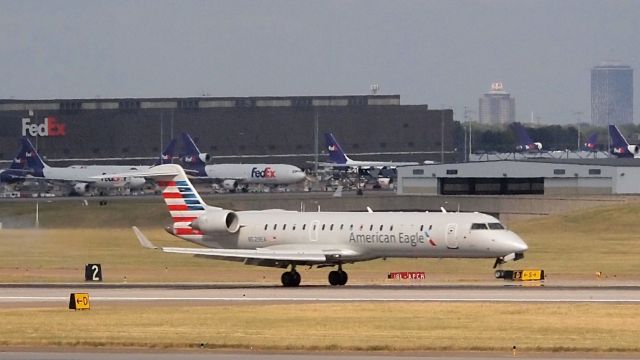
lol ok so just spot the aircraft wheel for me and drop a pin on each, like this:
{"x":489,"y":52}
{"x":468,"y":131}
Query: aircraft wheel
{"x":335,"y":278}
{"x":343,"y":278}
{"x":499,"y":274}
{"x":290,"y":279}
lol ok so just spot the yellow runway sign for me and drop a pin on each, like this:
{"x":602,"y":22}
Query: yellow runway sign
{"x":79,"y":301}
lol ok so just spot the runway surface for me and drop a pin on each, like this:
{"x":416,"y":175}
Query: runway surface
{"x":185,"y":293}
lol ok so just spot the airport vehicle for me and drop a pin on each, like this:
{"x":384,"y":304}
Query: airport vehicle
{"x":619,"y":145}
{"x":525,"y":144}
{"x":287,"y":239}
{"x":81,"y":179}
{"x":338,"y":158}
{"x":231,"y":177}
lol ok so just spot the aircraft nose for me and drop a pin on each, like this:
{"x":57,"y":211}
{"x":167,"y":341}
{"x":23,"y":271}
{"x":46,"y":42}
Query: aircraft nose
{"x":518,"y":245}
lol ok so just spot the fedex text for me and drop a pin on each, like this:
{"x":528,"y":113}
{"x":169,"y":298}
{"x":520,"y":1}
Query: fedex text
{"x":266,"y":173}
{"x":50,"y":127}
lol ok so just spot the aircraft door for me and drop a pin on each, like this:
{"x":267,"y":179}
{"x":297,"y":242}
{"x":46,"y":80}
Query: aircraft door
{"x":451,"y":237}
{"x":314,"y":227}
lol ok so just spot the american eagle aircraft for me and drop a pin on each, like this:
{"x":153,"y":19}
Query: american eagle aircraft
{"x":287,"y":239}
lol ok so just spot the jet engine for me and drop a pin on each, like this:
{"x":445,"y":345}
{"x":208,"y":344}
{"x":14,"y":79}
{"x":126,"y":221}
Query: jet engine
{"x":204,"y":157}
{"x":230,"y":185}
{"x":135,"y":182}
{"x":81,"y":188}
{"x":538,"y":146}
{"x":217,"y":221}
{"x":634,"y":149}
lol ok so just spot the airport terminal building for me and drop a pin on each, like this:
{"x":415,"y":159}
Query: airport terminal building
{"x":233,"y":129}
{"x":523,"y":177}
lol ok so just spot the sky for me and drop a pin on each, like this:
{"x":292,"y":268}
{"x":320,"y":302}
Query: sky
{"x":444,"y":53}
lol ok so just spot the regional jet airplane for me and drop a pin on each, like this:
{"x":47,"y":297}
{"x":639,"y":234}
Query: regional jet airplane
{"x":619,"y":145}
{"x":288,"y":239}
{"x":83,"y":179}
{"x":338,"y":158}
{"x":232,"y":176}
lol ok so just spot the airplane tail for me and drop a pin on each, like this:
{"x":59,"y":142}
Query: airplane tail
{"x":193,"y":159}
{"x":619,"y":145}
{"x":183,"y":201}
{"x":167,"y":154}
{"x":592,"y":143}
{"x":524,"y":140}
{"x":34,"y":161}
{"x":336,"y":155}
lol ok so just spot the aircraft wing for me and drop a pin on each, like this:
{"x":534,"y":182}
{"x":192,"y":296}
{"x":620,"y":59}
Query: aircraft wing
{"x":302,"y":255}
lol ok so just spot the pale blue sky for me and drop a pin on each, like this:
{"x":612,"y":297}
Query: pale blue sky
{"x":430,"y":52}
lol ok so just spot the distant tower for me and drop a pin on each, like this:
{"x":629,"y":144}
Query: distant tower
{"x":611,"y":94}
{"x":497,"y":106}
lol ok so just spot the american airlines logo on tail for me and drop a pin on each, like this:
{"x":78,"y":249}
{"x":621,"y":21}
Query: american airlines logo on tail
{"x":50,"y":127}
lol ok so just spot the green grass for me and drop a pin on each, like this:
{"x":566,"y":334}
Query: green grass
{"x":354,"y":326}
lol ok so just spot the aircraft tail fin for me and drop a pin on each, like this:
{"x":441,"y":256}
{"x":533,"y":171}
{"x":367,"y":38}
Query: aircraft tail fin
{"x":182,"y":199}
{"x":167,"y":154}
{"x":592,"y":143}
{"x":336,"y":155}
{"x":34,"y":161}
{"x":619,"y":145}
{"x":524,"y":140}
{"x":192,"y":158}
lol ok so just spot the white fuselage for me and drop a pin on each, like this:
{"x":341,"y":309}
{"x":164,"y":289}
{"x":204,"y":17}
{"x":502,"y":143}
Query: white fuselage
{"x":363,"y":236}
{"x":272,"y":174}
{"x":88,"y":174}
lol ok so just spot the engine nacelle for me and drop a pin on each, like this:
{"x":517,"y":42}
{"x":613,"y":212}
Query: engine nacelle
{"x":217,"y":221}
{"x":634,"y":149}
{"x":538,"y":145}
{"x":230,"y":185}
{"x":135,"y":182}
{"x":81,"y":188}
{"x":204,"y":157}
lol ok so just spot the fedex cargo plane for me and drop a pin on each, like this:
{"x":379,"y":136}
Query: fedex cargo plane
{"x":338,"y":158}
{"x":525,"y":144}
{"x":288,"y":239}
{"x":619,"y":145}
{"x":82,"y":179}
{"x":233,"y":176}
{"x":18,"y":170}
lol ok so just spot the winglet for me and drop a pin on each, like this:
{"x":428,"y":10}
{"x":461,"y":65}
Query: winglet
{"x":143,"y":239}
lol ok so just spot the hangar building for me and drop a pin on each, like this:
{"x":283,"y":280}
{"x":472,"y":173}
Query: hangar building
{"x":512,"y":177}
{"x":231,"y":129}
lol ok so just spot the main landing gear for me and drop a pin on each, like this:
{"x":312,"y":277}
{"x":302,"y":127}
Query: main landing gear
{"x":291,"y":278}
{"x":338,"y":277}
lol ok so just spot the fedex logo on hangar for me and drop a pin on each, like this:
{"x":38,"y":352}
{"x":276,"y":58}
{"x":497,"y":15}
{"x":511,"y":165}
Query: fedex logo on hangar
{"x":266,"y":173}
{"x":50,"y":127}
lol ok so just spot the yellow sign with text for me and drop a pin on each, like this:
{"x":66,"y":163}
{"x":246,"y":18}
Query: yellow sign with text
{"x":79,"y":301}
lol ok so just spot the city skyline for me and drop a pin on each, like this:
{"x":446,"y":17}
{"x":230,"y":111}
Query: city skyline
{"x":440,"y":53}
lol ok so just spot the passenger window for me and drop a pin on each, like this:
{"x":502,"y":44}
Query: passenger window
{"x":331,"y":227}
{"x":314,"y":226}
{"x":479,"y":226}
{"x":266,"y":226}
{"x":370,"y":227}
{"x":323,"y":225}
{"x":351,"y":227}
{"x":421,"y":227}
{"x":391,"y":228}
{"x":341,"y":226}
{"x":275,"y":226}
{"x":496,"y":226}
{"x":304,"y":226}
{"x":293,"y":228}
{"x":361,"y":227}
{"x":381,"y":226}
{"x":284,"y":227}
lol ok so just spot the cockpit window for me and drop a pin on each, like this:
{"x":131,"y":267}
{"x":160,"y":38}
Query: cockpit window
{"x":496,"y":226}
{"x":479,"y":226}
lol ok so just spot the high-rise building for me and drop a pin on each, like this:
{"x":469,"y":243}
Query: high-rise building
{"x":611,"y":94}
{"x":497,"y":107}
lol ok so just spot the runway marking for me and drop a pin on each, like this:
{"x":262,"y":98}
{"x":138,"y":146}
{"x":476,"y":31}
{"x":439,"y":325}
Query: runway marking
{"x":298,"y":299}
